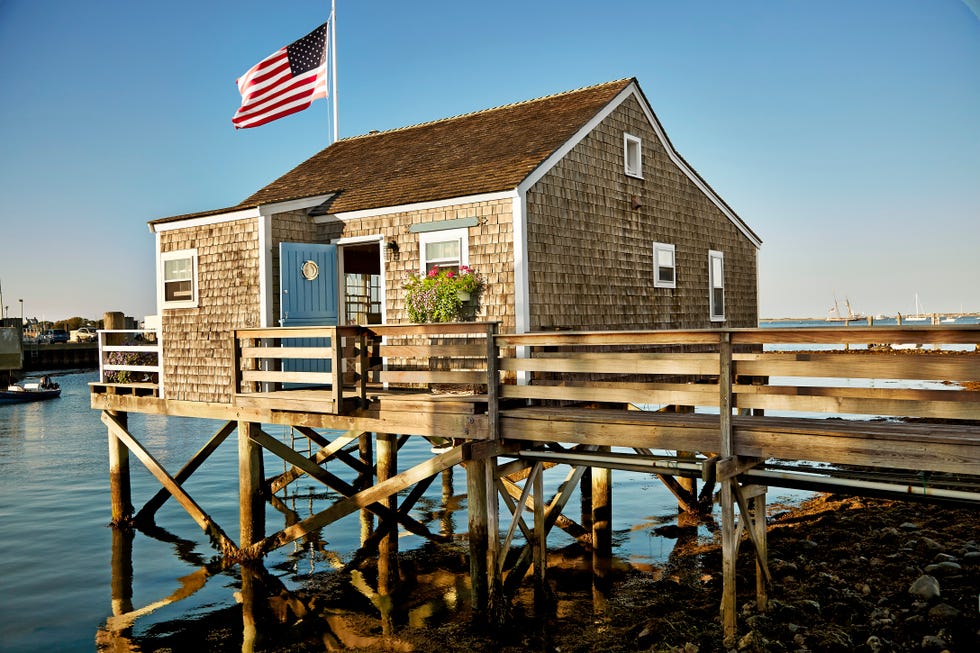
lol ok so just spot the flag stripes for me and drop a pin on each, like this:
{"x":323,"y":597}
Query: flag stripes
{"x":285,"y":82}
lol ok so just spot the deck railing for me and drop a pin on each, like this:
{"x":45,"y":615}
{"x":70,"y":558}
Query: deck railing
{"x":130,"y":357}
{"x":354,"y":361}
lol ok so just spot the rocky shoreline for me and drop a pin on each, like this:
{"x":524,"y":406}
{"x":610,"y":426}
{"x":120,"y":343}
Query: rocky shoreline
{"x":849,"y":574}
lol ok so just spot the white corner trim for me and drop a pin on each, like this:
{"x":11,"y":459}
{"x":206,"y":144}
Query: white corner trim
{"x":265,"y":268}
{"x":522,"y":305}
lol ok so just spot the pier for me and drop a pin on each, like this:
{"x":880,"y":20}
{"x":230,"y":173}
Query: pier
{"x":884,"y":411}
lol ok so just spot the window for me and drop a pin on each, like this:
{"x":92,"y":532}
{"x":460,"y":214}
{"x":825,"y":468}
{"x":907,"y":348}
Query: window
{"x":633,"y":156}
{"x":664,"y":270}
{"x":178,"y":277}
{"x":716,"y":283}
{"x":444,"y":249}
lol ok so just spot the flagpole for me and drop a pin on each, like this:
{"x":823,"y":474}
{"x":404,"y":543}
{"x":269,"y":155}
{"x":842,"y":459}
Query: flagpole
{"x":333,"y":62}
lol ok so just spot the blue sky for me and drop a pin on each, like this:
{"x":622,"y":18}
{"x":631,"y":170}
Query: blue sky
{"x":846,"y":133}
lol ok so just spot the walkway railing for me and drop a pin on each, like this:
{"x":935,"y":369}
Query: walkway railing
{"x":130,"y":358}
{"x":356,"y":362}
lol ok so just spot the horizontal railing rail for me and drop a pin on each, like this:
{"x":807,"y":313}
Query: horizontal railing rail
{"x":130,"y":357}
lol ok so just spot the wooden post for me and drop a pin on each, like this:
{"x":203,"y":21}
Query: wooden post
{"x":120,"y":494}
{"x":539,"y":548}
{"x":387,"y":448}
{"x":758,"y":507}
{"x":477,"y":514}
{"x":365,"y":448}
{"x":729,"y":544}
{"x":601,"y":534}
{"x":250,"y":473}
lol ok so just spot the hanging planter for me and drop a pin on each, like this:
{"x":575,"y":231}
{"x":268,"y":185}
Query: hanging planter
{"x":439,"y":296}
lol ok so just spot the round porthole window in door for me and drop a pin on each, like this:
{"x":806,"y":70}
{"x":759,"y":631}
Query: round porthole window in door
{"x":310,"y":270}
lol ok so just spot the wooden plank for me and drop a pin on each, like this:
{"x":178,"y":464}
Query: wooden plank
{"x":940,"y":404}
{"x":567,"y":338}
{"x":867,"y":365}
{"x":472,"y":427}
{"x":318,"y":353}
{"x":433,"y":351}
{"x":953,"y":334}
{"x":631,"y":394}
{"x":275,"y":376}
{"x":432,"y":376}
{"x":614,"y":365}
{"x":642,"y":435}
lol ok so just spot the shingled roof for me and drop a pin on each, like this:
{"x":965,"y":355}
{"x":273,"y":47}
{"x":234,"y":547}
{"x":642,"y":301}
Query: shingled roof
{"x":481,"y":152}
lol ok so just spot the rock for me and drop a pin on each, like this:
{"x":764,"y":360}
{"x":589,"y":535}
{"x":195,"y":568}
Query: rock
{"x":943,"y":614}
{"x":943,"y":568}
{"x":909,"y":526}
{"x":933,"y":643}
{"x":930,"y":544}
{"x":972,"y":558}
{"x":925,"y":587}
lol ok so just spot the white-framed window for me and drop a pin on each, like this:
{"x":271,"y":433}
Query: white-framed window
{"x":633,"y":155}
{"x":716,"y":285}
{"x":445,"y":249}
{"x":178,"y":278}
{"x":664,"y":266}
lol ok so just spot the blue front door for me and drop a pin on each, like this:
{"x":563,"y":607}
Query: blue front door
{"x":308,"y":284}
{"x":308,"y":296}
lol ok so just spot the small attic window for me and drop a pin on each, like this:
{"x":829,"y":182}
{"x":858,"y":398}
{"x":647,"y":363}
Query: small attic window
{"x":633,"y":155}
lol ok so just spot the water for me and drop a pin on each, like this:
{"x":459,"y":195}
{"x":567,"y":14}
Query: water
{"x":56,"y":563}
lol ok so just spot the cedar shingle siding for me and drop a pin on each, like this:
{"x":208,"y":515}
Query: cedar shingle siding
{"x":591,"y":254}
{"x":197,"y":341}
{"x":589,"y":251}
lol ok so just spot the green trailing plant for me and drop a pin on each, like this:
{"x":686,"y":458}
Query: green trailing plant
{"x":441,"y":295}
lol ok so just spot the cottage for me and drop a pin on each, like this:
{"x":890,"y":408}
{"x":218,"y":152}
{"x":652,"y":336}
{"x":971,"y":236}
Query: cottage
{"x":574,"y":208}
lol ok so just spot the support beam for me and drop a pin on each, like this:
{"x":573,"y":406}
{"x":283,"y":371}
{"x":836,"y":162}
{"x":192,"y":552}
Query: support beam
{"x":251,"y":501}
{"x":156,"y":502}
{"x":218,"y":537}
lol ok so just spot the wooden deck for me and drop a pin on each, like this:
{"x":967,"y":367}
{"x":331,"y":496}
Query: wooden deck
{"x":873,"y":408}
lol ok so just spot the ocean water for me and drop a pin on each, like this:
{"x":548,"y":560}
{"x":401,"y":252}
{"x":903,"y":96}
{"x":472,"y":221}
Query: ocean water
{"x":56,"y":548}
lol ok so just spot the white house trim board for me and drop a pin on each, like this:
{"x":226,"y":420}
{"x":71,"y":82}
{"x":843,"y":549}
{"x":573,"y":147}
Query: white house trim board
{"x":522,"y":305}
{"x":418,"y":206}
{"x":265,"y":265}
{"x":204,"y":221}
{"x":241,"y":214}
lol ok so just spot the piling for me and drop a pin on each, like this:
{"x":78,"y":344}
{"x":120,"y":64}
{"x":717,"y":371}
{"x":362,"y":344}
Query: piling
{"x":120,"y":494}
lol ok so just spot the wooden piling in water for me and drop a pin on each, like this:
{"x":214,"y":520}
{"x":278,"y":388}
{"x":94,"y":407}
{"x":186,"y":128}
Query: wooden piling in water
{"x":120,"y":494}
{"x":387,"y":453}
{"x":250,"y":497}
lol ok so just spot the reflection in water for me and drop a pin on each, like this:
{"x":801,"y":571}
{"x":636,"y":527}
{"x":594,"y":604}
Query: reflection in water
{"x":337,"y":606}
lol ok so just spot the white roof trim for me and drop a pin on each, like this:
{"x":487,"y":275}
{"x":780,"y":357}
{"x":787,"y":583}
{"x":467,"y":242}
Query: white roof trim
{"x":218,"y":218}
{"x":242,"y":214}
{"x":632,"y":90}
{"x":418,"y":206}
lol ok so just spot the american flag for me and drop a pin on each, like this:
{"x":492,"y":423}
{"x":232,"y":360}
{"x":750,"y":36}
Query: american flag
{"x":285,"y":82}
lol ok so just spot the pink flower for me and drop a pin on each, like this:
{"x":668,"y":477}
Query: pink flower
{"x":450,"y":274}
{"x":434,"y":272}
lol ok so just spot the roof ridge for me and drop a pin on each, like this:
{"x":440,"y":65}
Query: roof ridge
{"x":481,"y":111}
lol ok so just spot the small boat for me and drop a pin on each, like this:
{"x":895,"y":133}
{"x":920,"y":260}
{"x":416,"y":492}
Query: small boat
{"x":835,"y":314}
{"x":30,"y":391}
